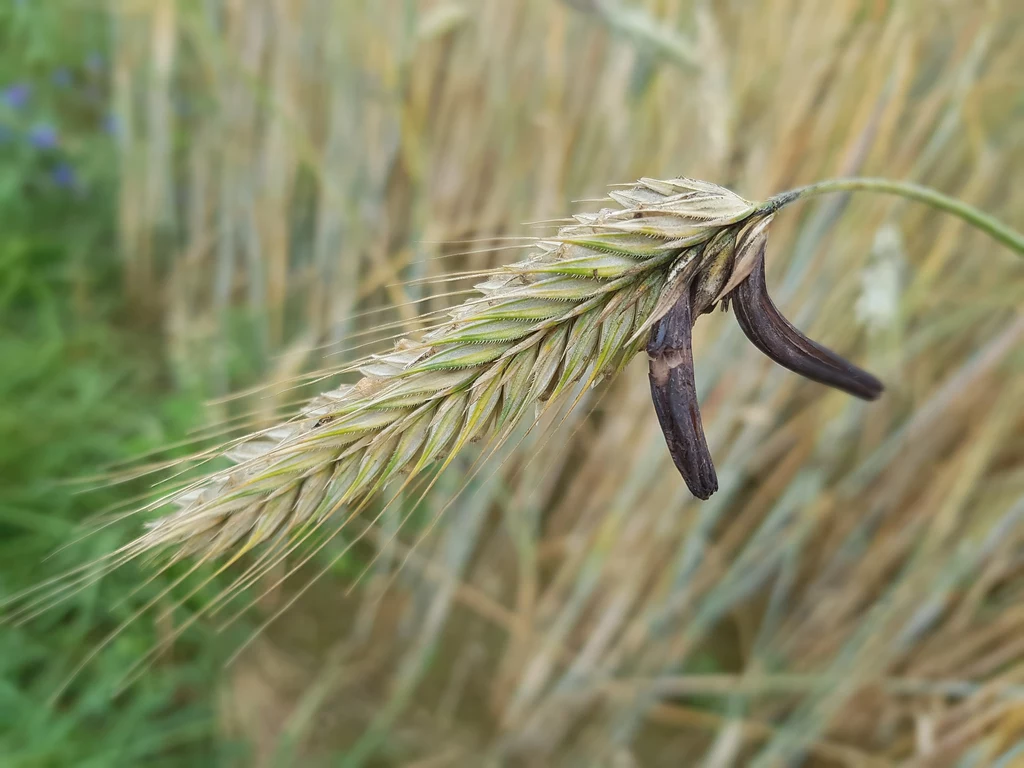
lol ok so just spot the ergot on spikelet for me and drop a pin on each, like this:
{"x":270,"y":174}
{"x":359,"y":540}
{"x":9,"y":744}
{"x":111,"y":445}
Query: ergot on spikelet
{"x":573,"y":313}
{"x":731,"y":271}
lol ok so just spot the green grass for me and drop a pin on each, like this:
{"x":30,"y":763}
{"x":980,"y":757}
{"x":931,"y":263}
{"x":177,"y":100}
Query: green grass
{"x":82,"y":384}
{"x":77,"y":394}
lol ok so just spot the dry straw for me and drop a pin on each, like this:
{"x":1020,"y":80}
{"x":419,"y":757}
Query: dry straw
{"x":862,"y":545}
{"x":540,"y":330}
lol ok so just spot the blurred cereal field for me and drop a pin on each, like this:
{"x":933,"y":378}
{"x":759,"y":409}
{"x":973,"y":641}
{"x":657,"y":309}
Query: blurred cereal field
{"x":265,"y":189}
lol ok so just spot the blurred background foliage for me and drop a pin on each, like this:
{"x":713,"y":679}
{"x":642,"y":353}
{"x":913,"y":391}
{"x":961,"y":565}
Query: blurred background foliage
{"x":203,"y":196}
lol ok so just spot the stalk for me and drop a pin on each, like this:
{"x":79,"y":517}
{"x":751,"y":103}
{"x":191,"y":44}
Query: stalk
{"x":973,"y":216}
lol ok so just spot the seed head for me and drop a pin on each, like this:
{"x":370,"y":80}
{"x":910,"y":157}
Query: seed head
{"x":571,"y":314}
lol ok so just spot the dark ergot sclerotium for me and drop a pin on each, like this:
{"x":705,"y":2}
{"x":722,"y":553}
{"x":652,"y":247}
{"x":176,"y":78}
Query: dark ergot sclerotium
{"x":729,"y":269}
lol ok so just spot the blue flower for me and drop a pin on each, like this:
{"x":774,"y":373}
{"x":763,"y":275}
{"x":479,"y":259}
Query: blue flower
{"x":43,"y":136}
{"x":16,"y":96}
{"x":112,"y":125}
{"x":62,"y":77}
{"x":94,"y":63}
{"x":64,"y":176}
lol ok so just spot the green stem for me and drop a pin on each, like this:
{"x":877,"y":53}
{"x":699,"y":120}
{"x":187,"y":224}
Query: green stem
{"x":976,"y":218}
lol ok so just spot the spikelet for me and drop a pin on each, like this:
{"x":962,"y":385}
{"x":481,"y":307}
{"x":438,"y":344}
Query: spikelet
{"x":572,"y":313}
